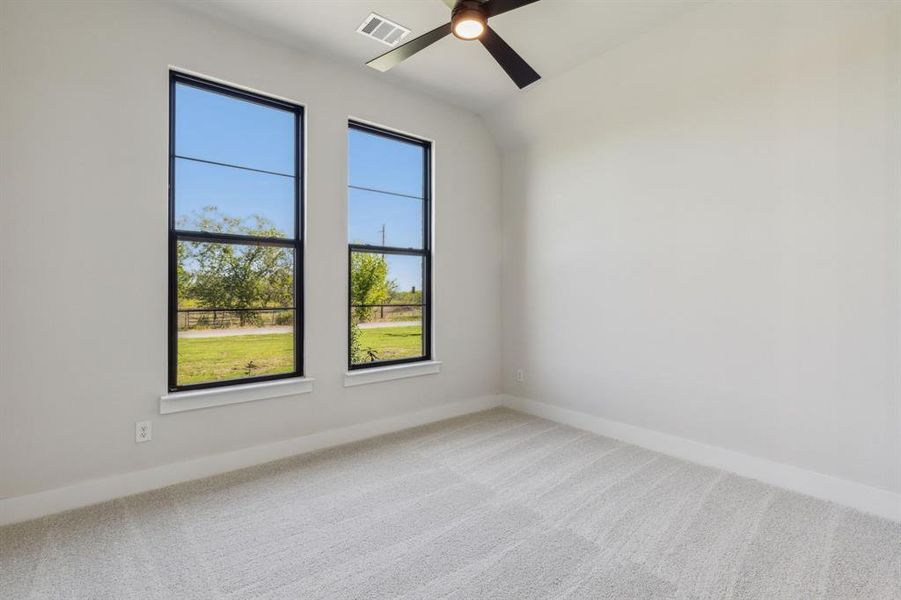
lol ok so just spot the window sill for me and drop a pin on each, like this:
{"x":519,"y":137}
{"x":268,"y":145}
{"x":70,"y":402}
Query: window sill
{"x":197,"y":399}
{"x":378,"y":374}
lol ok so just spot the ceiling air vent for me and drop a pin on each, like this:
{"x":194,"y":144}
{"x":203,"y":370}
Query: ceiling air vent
{"x":383,"y":30}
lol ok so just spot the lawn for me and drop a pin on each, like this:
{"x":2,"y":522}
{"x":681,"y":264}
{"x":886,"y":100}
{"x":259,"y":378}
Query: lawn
{"x":216,"y":358}
{"x":393,"y":342}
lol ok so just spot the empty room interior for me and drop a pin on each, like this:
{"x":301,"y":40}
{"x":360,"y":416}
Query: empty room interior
{"x":458,"y":299}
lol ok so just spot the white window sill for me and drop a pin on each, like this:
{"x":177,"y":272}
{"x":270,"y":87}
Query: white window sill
{"x":377,"y":374}
{"x":196,"y":399}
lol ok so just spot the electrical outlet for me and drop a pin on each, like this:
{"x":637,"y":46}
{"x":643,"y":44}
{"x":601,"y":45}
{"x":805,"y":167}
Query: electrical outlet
{"x":520,"y":376}
{"x":143,"y":433}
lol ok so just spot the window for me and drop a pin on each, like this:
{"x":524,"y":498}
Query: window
{"x":389,"y":256}
{"x":235,"y":224}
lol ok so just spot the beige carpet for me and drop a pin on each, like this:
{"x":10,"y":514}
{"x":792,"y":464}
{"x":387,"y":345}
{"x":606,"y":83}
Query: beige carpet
{"x":494,"y":505}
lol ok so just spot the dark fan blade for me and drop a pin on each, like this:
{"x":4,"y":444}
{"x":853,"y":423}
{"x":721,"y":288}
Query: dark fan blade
{"x":392,"y":58}
{"x":511,"y":62}
{"x":497,"y":7}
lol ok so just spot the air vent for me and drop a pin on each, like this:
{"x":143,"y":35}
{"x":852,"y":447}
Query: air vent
{"x":383,"y":30}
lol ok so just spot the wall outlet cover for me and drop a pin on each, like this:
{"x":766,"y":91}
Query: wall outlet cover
{"x":143,"y":431}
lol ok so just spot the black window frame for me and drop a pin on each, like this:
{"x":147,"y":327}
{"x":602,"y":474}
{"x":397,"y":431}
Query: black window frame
{"x":425,"y":252}
{"x":295,"y":243}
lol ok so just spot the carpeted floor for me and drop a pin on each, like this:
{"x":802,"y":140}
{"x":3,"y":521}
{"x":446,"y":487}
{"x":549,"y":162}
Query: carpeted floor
{"x":494,"y":505}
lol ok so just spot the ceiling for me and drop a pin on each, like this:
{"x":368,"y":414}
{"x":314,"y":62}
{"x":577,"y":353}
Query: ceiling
{"x":552,"y":35}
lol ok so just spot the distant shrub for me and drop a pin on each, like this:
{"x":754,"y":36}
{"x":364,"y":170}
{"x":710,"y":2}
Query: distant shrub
{"x":284,"y":318}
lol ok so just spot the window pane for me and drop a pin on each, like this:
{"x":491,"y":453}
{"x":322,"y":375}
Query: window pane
{"x":385,"y":219}
{"x":222,"y":345}
{"x":383,"y":163}
{"x":234,"y":276}
{"x":225,"y":129}
{"x":386,"y":307}
{"x":228,"y":200}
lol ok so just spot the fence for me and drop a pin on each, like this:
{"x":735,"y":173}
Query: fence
{"x":390,"y":312}
{"x":199,"y":318}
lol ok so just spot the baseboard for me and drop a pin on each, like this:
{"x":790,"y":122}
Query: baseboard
{"x":879,"y":502}
{"x":32,"y":506}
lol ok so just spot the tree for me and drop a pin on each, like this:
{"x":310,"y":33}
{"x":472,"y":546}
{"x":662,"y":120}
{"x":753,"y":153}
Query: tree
{"x":369,"y":284}
{"x":233,"y":276}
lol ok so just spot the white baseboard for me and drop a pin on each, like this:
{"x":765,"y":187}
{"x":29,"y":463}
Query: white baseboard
{"x":32,"y":506}
{"x":862,"y":497}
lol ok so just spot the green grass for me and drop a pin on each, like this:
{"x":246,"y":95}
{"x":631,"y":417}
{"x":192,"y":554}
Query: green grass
{"x":393,"y":342}
{"x":201,"y":360}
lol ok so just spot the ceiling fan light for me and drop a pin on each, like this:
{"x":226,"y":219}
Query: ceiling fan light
{"x":469,"y":24}
{"x":469,"y":29}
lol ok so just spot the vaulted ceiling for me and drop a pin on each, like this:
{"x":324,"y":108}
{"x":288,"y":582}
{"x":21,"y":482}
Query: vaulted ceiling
{"x":552,"y":35}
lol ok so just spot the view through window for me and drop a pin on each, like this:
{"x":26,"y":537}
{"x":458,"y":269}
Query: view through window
{"x":234,"y":236}
{"x":389,"y":254}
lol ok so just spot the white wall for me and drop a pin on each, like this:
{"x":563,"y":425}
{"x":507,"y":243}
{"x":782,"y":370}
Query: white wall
{"x":83,"y":240}
{"x":701,"y":235}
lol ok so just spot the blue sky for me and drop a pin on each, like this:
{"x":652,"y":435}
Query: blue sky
{"x":222,"y":129}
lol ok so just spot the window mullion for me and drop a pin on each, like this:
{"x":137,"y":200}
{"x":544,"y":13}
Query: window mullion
{"x":233,"y":238}
{"x":387,"y":250}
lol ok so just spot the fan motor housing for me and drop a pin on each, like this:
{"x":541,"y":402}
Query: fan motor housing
{"x":468,"y":10}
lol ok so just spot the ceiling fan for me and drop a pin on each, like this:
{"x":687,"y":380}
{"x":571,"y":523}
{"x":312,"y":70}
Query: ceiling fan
{"x":469,"y":21}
